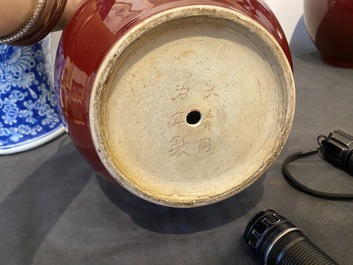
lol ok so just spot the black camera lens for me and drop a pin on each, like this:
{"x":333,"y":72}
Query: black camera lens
{"x":276,"y":241}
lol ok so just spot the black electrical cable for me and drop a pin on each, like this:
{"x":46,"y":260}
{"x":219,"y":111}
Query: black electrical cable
{"x":301,"y":187}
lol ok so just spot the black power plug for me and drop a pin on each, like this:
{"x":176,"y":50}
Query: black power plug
{"x":337,"y":148}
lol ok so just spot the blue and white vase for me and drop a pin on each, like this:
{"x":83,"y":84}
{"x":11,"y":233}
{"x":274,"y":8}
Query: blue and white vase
{"x":28,"y":105}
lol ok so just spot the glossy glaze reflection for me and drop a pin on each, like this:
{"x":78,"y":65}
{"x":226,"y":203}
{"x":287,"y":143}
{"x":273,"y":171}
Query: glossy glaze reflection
{"x":330,"y":25}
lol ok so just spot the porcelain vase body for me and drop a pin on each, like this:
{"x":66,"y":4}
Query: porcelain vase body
{"x":183,"y":103}
{"x":28,"y":106}
{"x":330,"y":26}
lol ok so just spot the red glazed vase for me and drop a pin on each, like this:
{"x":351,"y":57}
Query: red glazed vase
{"x":330,"y":26}
{"x":184,"y":102}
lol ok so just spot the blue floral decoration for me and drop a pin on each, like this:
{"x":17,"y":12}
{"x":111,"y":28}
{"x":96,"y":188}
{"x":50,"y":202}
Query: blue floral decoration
{"x":28,"y":105}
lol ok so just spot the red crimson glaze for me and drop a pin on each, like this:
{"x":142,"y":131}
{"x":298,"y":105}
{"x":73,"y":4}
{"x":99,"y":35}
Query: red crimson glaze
{"x":330,"y":25}
{"x":92,"y":31}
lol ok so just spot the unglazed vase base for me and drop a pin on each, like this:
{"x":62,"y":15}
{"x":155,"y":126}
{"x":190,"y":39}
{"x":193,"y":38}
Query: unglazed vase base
{"x":193,"y":110}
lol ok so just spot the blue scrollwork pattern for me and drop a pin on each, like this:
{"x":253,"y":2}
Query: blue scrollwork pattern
{"x":27,"y":98}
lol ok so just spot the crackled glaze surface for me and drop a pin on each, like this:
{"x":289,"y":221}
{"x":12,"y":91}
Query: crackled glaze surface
{"x":130,"y":74}
{"x":28,"y":116}
{"x":330,"y":25}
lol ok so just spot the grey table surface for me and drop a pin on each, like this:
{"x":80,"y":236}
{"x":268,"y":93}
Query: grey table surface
{"x":54,"y":209}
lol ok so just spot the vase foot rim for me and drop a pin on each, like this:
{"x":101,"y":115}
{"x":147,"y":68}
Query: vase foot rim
{"x":192,"y":106}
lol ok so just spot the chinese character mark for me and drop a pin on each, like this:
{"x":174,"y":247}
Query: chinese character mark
{"x":208,"y":120}
{"x":210,"y":92}
{"x":177,"y":118}
{"x":205,"y":145}
{"x":182,"y":93}
{"x":177,"y":145}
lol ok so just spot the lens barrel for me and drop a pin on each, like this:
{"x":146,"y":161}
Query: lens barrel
{"x":276,"y":241}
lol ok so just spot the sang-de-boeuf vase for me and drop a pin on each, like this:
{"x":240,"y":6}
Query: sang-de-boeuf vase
{"x":183,"y":103}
